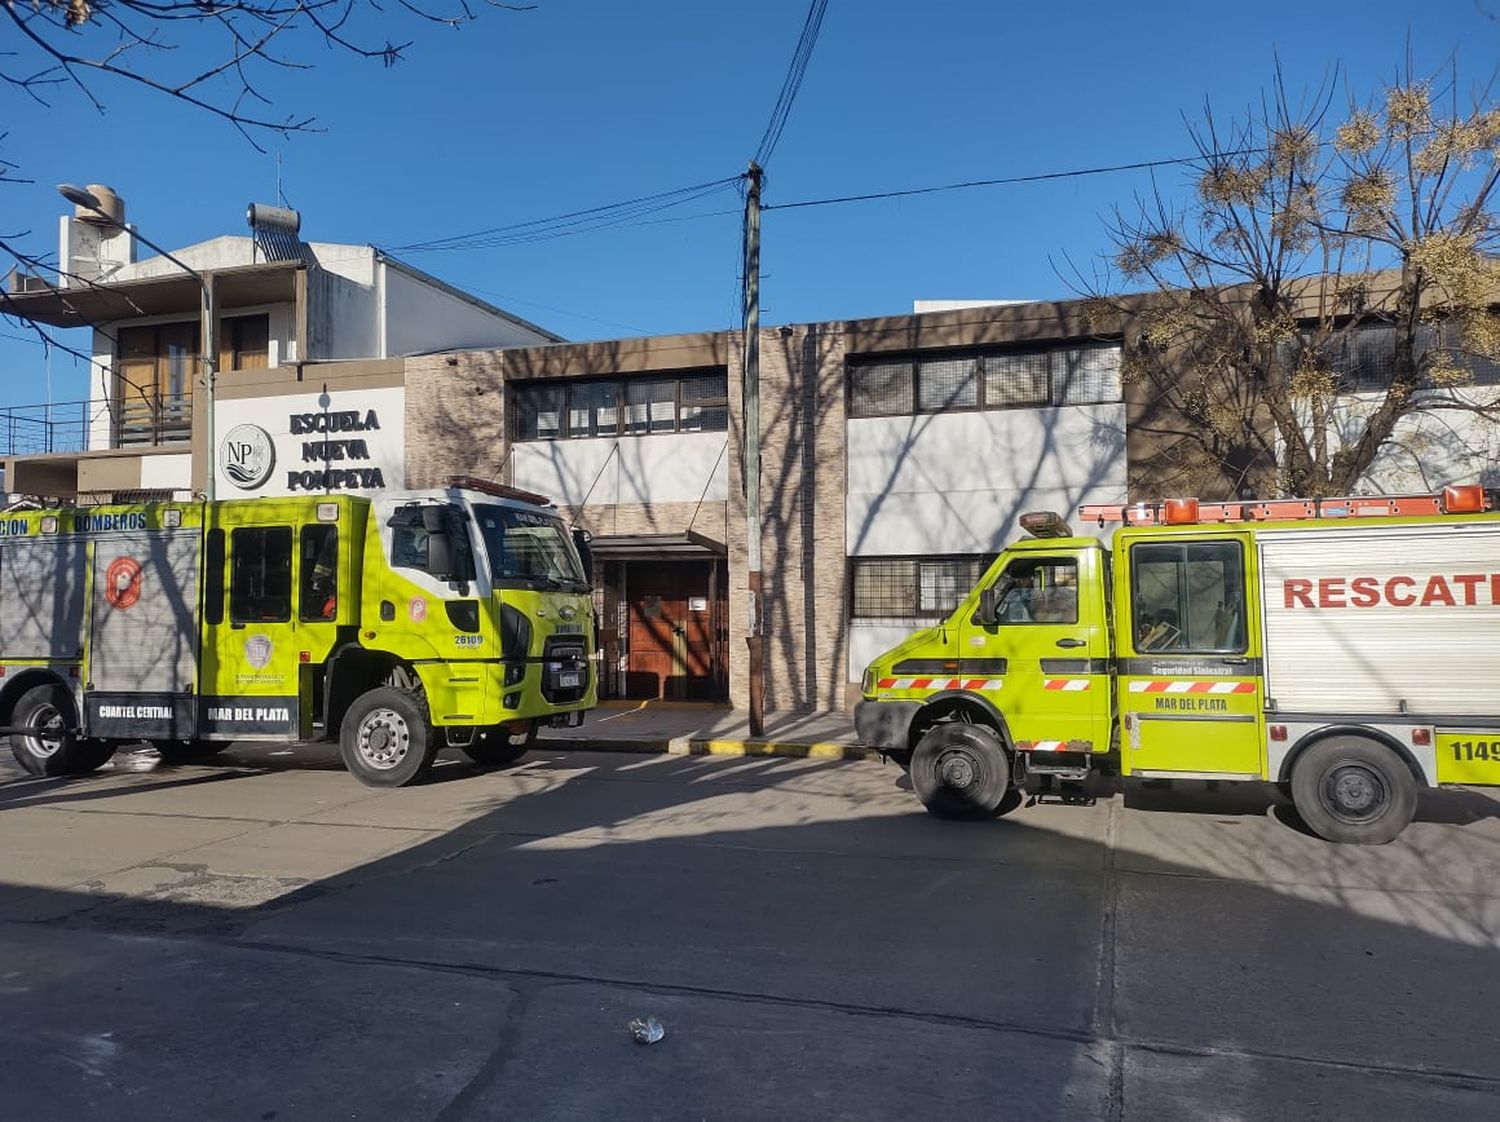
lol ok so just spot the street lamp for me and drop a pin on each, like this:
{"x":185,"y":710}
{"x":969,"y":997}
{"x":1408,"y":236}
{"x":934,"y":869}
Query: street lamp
{"x":207,"y":333}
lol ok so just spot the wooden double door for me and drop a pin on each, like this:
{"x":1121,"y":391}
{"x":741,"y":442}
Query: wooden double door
{"x":678,"y":630}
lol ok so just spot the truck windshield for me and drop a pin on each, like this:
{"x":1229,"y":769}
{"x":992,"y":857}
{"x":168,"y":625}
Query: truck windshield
{"x":528,"y":550}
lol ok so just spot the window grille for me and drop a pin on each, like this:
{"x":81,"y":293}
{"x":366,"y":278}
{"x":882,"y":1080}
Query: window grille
{"x":947,"y":383}
{"x":881,"y":389}
{"x":554,"y":410}
{"x":1015,"y":379}
{"x":1082,"y":374}
{"x":912,"y":587}
{"x":1086,"y":375}
{"x":594,"y":409}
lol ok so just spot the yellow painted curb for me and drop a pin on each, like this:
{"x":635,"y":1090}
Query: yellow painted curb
{"x":820,"y":750}
{"x":685,"y":746}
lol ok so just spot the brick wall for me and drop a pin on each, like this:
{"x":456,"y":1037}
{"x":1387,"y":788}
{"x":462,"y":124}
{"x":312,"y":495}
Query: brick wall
{"x":802,"y":511}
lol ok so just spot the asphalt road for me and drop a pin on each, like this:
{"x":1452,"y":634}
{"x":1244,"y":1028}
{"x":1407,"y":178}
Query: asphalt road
{"x":264,"y":939}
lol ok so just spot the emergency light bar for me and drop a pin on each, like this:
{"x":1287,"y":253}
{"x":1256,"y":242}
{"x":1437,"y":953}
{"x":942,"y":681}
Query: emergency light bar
{"x":499,"y":490}
{"x":1468,"y":499}
{"x":1045,"y":524}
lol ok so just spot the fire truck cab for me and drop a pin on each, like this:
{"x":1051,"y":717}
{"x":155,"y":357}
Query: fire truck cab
{"x":457,"y":617}
{"x":1345,"y":649}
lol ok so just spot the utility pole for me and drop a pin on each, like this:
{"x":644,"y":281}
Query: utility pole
{"x":752,"y":449}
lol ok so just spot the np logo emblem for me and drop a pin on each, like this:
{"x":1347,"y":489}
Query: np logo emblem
{"x":258,"y":651}
{"x":247,"y":456}
{"x":417,"y":609}
{"x":567,"y":612}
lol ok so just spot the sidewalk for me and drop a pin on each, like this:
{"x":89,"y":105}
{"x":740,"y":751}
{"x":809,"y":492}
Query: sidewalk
{"x":701,"y":730}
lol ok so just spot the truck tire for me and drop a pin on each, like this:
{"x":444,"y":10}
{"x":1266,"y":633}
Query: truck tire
{"x":386,"y":739}
{"x":500,"y":747}
{"x":962,"y":771}
{"x":1350,"y":789}
{"x":185,"y":752}
{"x":54,"y":748}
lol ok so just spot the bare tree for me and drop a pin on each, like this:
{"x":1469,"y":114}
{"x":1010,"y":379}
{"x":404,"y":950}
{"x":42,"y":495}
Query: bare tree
{"x":1298,"y":238}
{"x":215,"y":55}
{"x":211,"y":54}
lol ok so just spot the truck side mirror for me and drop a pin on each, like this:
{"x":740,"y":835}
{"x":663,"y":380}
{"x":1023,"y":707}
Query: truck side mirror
{"x":581,"y":540}
{"x":988,"y":611}
{"x":439,"y":555}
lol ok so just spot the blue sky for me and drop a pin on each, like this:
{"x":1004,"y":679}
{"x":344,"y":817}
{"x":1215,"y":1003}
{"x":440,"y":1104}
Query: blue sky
{"x":525,"y":115}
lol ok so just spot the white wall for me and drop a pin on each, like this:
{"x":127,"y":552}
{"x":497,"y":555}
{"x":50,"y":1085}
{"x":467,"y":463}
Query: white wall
{"x":343,"y":305}
{"x":216,"y":253}
{"x":174,"y":472}
{"x":421,"y":318}
{"x":958,"y":482}
{"x":384,"y":447}
{"x":667,"y":468}
{"x":871,"y":637}
{"x":1428,"y":450}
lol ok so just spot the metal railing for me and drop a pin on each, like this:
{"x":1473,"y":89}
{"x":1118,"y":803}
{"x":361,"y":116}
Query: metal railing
{"x":65,"y":426}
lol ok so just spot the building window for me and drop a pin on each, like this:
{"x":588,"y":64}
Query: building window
{"x":881,"y":389}
{"x":692,"y":402}
{"x":1364,"y":359}
{"x":912,"y":587}
{"x":155,"y":368}
{"x":244,"y":342}
{"x":1082,"y":374}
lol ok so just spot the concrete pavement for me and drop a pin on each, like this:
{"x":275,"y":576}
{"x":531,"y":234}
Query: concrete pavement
{"x":262,"y":938}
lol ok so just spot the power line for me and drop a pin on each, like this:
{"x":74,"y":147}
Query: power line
{"x":577,"y":221}
{"x":1039,"y":177}
{"x":792,"y":82}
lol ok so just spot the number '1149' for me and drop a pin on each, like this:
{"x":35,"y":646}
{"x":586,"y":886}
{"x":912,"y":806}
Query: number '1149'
{"x":1477,"y":750}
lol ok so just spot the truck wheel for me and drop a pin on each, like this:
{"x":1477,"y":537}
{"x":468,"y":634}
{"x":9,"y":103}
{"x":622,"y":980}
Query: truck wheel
{"x":184,"y":752}
{"x":500,"y":746}
{"x":961,"y":771}
{"x":1349,"y":789}
{"x":53,"y":748}
{"x":386,"y":738}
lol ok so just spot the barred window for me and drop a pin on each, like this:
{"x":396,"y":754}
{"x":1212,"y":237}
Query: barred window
{"x":947,"y":383}
{"x":693,"y":402}
{"x":1363,"y":359}
{"x":880,"y":389}
{"x":650,"y":407}
{"x":912,"y":587}
{"x":1081,"y":374}
{"x":1015,"y":379}
{"x":539,"y":413}
{"x":593,"y":409}
{"x":1086,"y":375}
{"x":704,"y":403}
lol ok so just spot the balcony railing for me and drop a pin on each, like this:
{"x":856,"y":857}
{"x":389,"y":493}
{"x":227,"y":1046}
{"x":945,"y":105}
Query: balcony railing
{"x":64,"y":426}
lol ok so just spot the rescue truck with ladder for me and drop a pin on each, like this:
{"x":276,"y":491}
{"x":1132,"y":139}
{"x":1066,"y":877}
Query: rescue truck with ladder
{"x":1346,"y":649}
{"x":397,"y":625}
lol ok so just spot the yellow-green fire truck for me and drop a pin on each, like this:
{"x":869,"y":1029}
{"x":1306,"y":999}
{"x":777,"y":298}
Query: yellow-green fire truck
{"x":398,"y":625}
{"x":1347,"y":649}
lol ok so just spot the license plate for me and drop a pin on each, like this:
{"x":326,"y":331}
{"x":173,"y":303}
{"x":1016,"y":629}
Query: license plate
{"x":567,"y":681}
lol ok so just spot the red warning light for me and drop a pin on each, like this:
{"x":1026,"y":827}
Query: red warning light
{"x":1180,"y":512}
{"x":1468,"y":499}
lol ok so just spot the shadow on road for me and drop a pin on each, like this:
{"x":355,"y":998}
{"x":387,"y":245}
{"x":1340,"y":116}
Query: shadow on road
{"x":817,"y":946}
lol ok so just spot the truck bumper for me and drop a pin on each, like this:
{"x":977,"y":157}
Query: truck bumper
{"x":885,"y":724}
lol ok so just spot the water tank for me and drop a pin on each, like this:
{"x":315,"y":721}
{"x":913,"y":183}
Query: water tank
{"x":110,"y":203}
